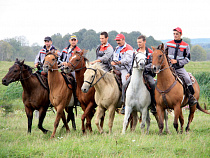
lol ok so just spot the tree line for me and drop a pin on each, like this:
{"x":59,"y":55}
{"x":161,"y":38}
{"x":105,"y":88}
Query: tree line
{"x":18,"y":47}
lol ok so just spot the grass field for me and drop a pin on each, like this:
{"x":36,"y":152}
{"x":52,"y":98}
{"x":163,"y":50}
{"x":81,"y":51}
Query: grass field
{"x":15,"y":142}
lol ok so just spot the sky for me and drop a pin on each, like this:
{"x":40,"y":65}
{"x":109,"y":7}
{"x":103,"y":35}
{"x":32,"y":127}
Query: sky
{"x":36,"y":19}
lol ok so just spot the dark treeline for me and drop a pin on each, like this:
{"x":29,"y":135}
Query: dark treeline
{"x":18,"y":47}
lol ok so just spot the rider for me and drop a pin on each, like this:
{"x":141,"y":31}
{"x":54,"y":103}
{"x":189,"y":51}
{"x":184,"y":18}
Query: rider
{"x":64,"y":59}
{"x":104,"y":52}
{"x":141,"y":42}
{"x":42,"y":53}
{"x":179,"y":54}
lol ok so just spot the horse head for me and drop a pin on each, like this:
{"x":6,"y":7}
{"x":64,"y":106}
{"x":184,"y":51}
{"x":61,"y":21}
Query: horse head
{"x":91,"y":76}
{"x":15,"y":72}
{"x":50,"y":61}
{"x":76,"y":61}
{"x":158,"y":58}
{"x":139,"y":61}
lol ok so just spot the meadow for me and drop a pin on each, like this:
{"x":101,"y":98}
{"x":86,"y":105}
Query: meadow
{"x":15,"y":142}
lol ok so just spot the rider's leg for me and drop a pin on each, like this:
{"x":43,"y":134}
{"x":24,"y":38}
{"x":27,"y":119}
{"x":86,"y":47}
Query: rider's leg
{"x":151,"y":82}
{"x":183,"y":73}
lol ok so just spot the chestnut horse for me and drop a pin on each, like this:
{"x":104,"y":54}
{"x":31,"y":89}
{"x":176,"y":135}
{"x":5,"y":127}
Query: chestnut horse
{"x":35,"y":96}
{"x":77,"y":63}
{"x":60,"y":94}
{"x":169,"y":93}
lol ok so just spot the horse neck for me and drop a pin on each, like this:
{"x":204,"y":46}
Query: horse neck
{"x":102,"y":84}
{"x":165,"y":78}
{"x":80,"y":77}
{"x":137,"y":77}
{"x":27,"y":81}
{"x":54,"y":78}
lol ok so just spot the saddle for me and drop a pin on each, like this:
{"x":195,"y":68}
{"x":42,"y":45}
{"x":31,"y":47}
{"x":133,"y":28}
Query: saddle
{"x":43,"y":80}
{"x":69,"y":78}
{"x":117,"y":76}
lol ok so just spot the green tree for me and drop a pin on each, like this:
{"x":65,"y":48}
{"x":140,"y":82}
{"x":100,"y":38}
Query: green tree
{"x":198,"y":53}
{"x":187,"y":40}
{"x":6,"y":51}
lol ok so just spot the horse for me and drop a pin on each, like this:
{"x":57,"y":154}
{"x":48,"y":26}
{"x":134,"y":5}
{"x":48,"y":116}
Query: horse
{"x":169,"y":93}
{"x":138,"y":97}
{"x":60,"y":94}
{"x":77,"y":63}
{"x":35,"y":96}
{"x":107,"y":95}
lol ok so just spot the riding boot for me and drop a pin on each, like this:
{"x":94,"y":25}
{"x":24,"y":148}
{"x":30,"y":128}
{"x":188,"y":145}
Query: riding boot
{"x":74,"y":88}
{"x":124,"y":88}
{"x":153,"y":102}
{"x":192,"y":100}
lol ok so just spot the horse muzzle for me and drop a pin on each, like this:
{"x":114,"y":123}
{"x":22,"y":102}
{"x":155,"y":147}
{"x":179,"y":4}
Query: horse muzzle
{"x":66,"y":69}
{"x":45,"y":68}
{"x":155,"y":69}
{"x":85,"y":88}
{"x":4,"y":82}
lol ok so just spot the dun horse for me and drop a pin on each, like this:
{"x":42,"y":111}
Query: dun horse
{"x":138,"y":97}
{"x":35,"y":96}
{"x":77,"y":64}
{"x":60,"y":94}
{"x":169,"y":93}
{"x":107,"y":95}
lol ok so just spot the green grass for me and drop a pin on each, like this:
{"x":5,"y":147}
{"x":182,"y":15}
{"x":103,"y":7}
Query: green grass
{"x":15,"y":142}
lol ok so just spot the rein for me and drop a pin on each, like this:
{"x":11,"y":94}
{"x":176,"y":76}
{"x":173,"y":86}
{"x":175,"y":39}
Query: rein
{"x":137,"y":62}
{"x":91,"y":83}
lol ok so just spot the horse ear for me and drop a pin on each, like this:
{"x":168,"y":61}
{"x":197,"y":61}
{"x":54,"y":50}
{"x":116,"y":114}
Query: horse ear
{"x":16,"y":60}
{"x":22,"y":62}
{"x":84,"y":52}
{"x":52,"y":51}
{"x":153,"y":48}
{"x":162,"y":47}
{"x":87,"y":64}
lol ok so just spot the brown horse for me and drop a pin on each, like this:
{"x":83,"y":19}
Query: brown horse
{"x":77,"y":63}
{"x":169,"y":93}
{"x":60,"y":94}
{"x":35,"y":96}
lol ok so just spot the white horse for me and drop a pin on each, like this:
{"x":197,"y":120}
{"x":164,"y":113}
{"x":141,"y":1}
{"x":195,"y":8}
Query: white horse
{"x":107,"y":95}
{"x":138,"y":97}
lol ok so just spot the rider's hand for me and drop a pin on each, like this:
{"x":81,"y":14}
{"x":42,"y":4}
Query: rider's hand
{"x":113,"y":63}
{"x":173,"y":61}
{"x":35,"y":65}
{"x":93,"y":62}
{"x":127,"y":76}
{"x":64,"y":63}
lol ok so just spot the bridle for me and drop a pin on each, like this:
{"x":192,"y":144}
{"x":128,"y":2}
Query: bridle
{"x":81,"y":57}
{"x":51,"y":65}
{"x":162,"y":62}
{"x":137,"y":62}
{"x":91,"y":83}
{"x":20,"y":73}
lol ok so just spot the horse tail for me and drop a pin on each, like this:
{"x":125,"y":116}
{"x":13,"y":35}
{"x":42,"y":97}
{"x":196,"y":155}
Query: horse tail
{"x":75,"y":109}
{"x":201,"y":109}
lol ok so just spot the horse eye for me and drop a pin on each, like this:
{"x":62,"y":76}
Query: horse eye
{"x":77,"y":59}
{"x":92,"y":76}
{"x":15,"y":71}
{"x":160,"y":56}
{"x":53,"y":59}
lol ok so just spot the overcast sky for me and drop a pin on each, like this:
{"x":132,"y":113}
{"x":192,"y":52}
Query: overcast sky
{"x":36,"y":19}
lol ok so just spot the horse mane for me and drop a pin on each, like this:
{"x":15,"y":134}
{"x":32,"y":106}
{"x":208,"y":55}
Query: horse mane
{"x":27,"y":67}
{"x":108,"y":77}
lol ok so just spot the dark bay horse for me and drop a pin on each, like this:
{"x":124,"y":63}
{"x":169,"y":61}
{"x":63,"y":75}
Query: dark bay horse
{"x":60,"y":94}
{"x":35,"y":96}
{"x":169,"y":93}
{"x":77,"y":63}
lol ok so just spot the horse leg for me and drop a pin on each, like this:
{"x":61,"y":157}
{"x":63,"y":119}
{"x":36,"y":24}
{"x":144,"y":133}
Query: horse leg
{"x":60,"y":113}
{"x":89,"y":118}
{"x":87,"y":112}
{"x":70,"y":116}
{"x":135,"y":120}
{"x":102,"y":121}
{"x":181,"y":120}
{"x":177,"y":110}
{"x":144,"y":116}
{"x":128,"y":111}
{"x":29,"y":114}
{"x":111,"y":117}
{"x":190,"y":117}
{"x":160,"y":113}
{"x":42,"y":114}
{"x":148,"y":121}
{"x":99,"y":114}
{"x":166,"y":121}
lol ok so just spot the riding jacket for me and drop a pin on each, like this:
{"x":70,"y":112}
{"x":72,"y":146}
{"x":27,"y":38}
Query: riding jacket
{"x":179,"y":50}
{"x":125,"y":55}
{"x":42,"y":53}
{"x":104,"y":53}
{"x":67,"y":53}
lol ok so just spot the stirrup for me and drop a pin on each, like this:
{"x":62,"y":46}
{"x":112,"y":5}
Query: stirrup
{"x":192,"y":100}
